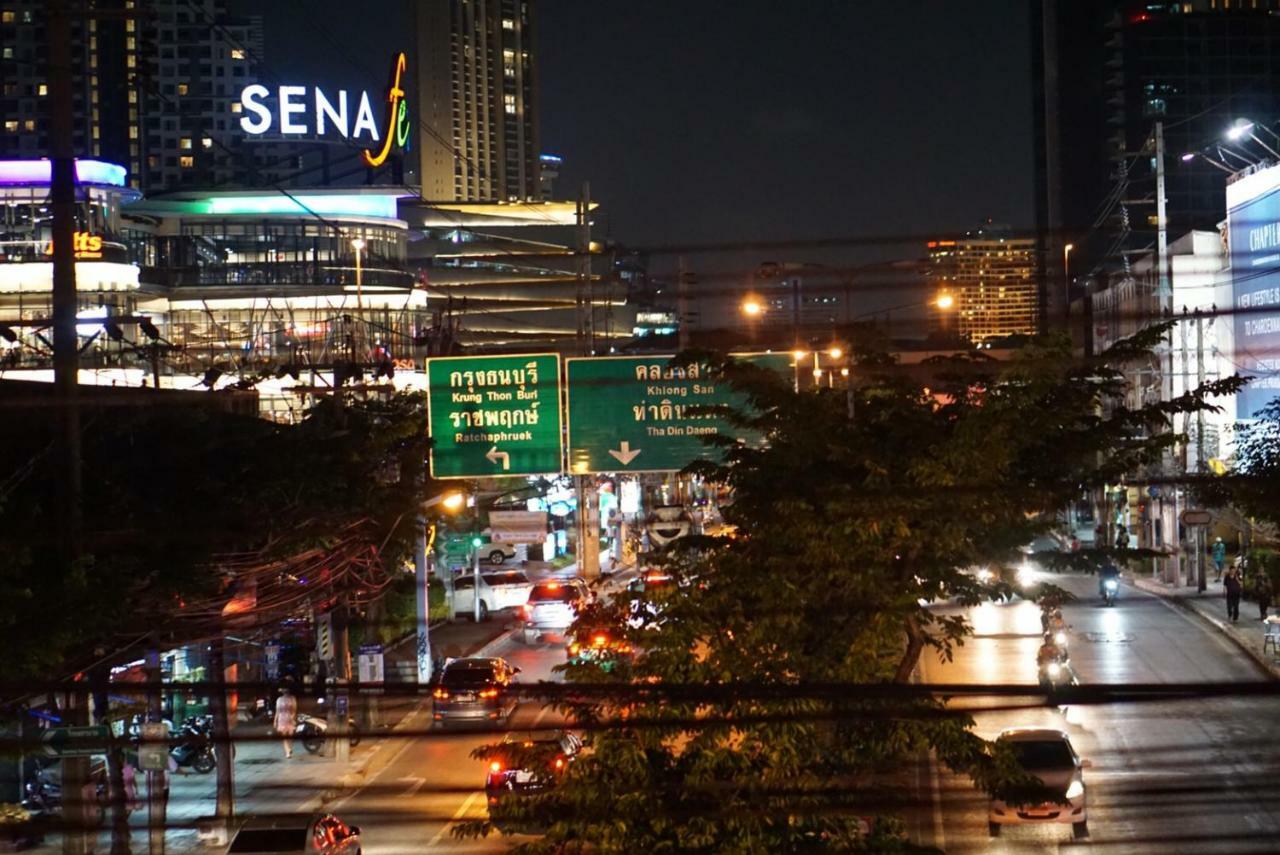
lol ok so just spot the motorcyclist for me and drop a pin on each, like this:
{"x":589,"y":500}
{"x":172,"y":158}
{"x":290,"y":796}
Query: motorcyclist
{"x":1108,"y":572}
{"x":1050,"y":652}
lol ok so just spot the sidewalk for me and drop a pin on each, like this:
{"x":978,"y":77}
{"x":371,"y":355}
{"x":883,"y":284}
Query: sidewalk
{"x":1211,"y":606}
{"x":266,"y":783}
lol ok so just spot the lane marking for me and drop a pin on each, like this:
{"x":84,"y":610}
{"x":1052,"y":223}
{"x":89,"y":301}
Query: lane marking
{"x":415,"y":784}
{"x":461,"y":812}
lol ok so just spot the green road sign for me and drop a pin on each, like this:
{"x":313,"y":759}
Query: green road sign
{"x":494,"y":415}
{"x":75,"y":741}
{"x":634,"y":414}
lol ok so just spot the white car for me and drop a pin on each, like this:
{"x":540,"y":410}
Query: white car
{"x":1048,"y":755}
{"x":553,"y":606}
{"x":499,"y":589}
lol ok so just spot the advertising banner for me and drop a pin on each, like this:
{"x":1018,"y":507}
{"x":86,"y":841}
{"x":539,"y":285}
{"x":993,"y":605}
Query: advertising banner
{"x":1254,"y":232}
{"x":518,"y":526}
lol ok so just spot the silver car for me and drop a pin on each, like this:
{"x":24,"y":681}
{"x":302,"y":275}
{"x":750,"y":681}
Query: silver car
{"x":553,"y":606}
{"x":1048,"y":755}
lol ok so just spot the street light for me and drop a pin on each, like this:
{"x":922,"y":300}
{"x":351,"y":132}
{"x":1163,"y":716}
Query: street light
{"x":1066,"y":275}
{"x":752,"y":307}
{"x":1244,"y":128}
{"x":944,"y":301}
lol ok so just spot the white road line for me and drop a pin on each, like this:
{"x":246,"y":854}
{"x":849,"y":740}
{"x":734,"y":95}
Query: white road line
{"x":935,"y":794}
{"x":461,"y":812}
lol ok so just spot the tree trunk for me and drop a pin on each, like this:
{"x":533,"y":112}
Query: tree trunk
{"x":119,"y":808}
{"x":911,"y":656}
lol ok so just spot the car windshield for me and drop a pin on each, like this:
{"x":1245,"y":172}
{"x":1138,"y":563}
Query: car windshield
{"x":1049,"y":754}
{"x":469,"y":675}
{"x":464,"y":583}
{"x":270,"y":840}
{"x":553,"y":592}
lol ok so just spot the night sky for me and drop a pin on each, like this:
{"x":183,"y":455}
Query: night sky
{"x":727,"y":121}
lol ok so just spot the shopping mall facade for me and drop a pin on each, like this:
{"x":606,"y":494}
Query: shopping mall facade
{"x":276,"y":289}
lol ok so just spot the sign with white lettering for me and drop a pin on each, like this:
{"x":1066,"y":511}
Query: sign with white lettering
{"x":494,"y":415}
{"x":293,"y":110}
{"x":1254,"y":231}
{"x":517,"y":526}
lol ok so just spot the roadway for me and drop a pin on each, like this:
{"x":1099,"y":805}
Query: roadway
{"x":1168,"y":776}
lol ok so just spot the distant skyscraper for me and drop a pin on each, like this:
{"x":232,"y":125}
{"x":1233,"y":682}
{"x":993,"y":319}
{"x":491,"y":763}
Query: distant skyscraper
{"x":992,"y":277}
{"x":1106,"y":71}
{"x":476,"y":89}
{"x":155,"y":93}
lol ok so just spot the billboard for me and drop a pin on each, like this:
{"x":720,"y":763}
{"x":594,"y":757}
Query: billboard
{"x":1253,"y":229}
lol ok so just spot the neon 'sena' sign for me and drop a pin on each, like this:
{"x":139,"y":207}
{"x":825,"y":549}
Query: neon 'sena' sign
{"x":309,"y":110}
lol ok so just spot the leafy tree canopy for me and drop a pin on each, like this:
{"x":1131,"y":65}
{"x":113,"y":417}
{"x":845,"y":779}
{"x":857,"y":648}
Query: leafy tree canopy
{"x":768,"y":707}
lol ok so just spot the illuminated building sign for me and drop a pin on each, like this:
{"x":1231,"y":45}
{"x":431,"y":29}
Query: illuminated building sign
{"x":84,"y":244}
{"x":310,"y":110}
{"x":41,"y":172}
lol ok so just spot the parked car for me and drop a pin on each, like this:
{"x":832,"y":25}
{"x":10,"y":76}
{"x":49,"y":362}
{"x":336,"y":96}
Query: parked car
{"x":475,"y":689}
{"x":1049,"y":756}
{"x":495,"y":551}
{"x":526,"y":762}
{"x":325,"y":834}
{"x":552,"y":607}
{"x":502,"y":589}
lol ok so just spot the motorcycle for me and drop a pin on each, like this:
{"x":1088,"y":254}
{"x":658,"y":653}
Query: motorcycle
{"x":312,"y":732}
{"x":1054,"y":667}
{"x":1110,"y":588}
{"x":1057,"y":637}
{"x":43,"y":794}
{"x":194,"y":748}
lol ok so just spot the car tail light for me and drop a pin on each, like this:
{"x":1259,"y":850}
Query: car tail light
{"x":495,"y":767}
{"x":601,"y":640}
{"x":524,"y":613}
{"x":574,"y":648}
{"x":440,"y":694}
{"x":488,"y":693}
{"x":559,"y":763}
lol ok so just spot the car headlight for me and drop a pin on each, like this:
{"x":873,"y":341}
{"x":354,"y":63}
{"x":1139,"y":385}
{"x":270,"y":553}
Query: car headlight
{"x":1054,"y":669}
{"x":1076,"y":790}
{"x":985,"y":576}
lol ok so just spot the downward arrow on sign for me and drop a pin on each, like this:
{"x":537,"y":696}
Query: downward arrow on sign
{"x":495,"y":455}
{"x":624,"y":454}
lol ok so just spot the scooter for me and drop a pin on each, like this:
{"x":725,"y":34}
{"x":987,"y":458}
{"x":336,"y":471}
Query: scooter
{"x":194,"y":748}
{"x":1110,"y":588}
{"x":1057,"y":637}
{"x":311,"y":731}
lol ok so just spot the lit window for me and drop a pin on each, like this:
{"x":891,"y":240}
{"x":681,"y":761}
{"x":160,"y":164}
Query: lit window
{"x":8,"y":53}
{"x":6,"y":17}
{"x":29,"y":124}
{"x":236,"y":107}
{"x":185,"y":143}
{"x":509,"y":101}
{"x":133,"y":96}
{"x":131,"y":61}
{"x":207,"y":142}
{"x":42,"y":89}
{"x":508,"y":24}
{"x":11,"y":126}
{"x":186,"y":161}
{"x":182,"y":89}
{"x":237,"y":53}
{"x":133,"y":132}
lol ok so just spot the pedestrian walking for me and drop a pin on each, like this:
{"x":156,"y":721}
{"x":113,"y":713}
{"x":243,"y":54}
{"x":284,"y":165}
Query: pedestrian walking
{"x":1231,"y":582}
{"x":286,"y":720}
{"x":1219,"y":553}
{"x":1262,"y":590}
{"x":1122,"y":538}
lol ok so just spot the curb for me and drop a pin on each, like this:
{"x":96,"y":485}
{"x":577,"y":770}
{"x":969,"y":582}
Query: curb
{"x":1270,"y":667}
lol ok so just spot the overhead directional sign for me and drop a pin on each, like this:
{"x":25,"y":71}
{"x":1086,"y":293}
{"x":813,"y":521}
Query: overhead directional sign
{"x":75,"y":741}
{"x":494,"y":415}
{"x":637,"y":414}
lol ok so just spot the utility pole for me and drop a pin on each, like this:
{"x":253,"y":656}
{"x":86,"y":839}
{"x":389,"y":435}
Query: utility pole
{"x":340,"y":681}
{"x":422,"y":597}
{"x":1202,"y":582}
{"x":66,"y":364}
{"x":1164,"y":294}
{"x":157,"y":782}
{"x":224,"y":756}
{"x":588,"y":545}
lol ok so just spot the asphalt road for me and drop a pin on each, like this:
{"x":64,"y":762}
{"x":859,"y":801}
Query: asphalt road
{"x":1198,"y":775}
{"x":433,"y":781}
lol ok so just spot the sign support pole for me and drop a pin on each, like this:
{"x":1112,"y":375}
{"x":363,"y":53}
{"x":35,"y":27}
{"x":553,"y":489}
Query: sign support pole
{"x":422,"y":597}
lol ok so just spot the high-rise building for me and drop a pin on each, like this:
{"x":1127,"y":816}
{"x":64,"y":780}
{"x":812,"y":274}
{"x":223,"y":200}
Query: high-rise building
{"x":476,"y":90}
{"x":1106,"y":72}
{"x":991,"y":276}
{"x":156,"y":90}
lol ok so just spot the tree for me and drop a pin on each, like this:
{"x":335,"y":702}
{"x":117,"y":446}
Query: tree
{"x":170,"y":493}
{"x":770,"y":705}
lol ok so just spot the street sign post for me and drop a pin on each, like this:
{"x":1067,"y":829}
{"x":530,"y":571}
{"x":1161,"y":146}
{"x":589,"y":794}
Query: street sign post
{"x":75,"y":741}
{"x":371,"y":667}
{"x":494,"y":415}
{"x":636,"y":414}
{"x":518,"y":526}
{"x":153,"y":749}
{"x":1192,"y":516}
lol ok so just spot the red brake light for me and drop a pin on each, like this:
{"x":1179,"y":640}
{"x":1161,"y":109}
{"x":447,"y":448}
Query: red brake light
{"x":553,"y":586}
{"x":559,"y":762}
{"x":489,"y":693}
{"x":495,"y":767}
{"x":601,"y":640}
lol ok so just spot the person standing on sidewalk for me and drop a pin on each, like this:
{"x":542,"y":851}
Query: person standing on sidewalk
{"x":1231,"y":582}
{"x":1262,"y":590}
{"x":286,"y":720}
{"x":1219,"y":553}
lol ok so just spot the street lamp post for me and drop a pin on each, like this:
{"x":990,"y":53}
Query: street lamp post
{"x":1066,"y":278}
{"x":358,"y":245}
{"x":452,"y":502}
